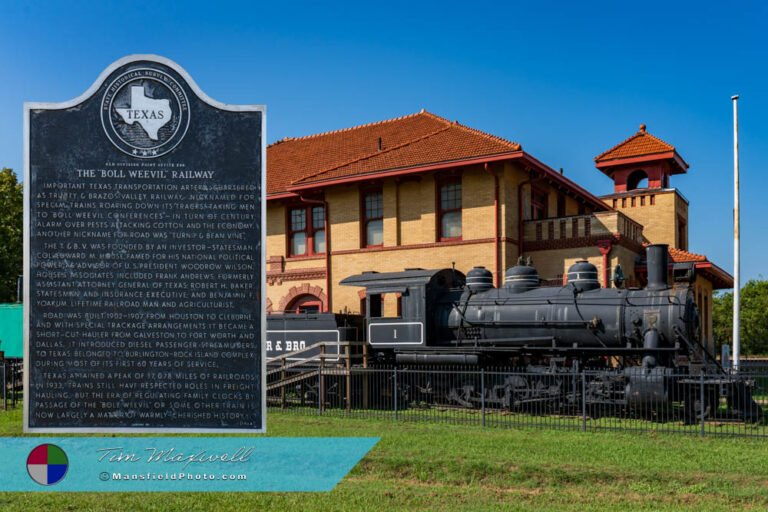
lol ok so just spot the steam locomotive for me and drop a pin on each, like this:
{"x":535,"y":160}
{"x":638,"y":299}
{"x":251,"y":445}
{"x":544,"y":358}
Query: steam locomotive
{"x":641,"y":347}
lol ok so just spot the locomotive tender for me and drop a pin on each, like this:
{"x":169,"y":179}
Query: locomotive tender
{"x":636,"y":342}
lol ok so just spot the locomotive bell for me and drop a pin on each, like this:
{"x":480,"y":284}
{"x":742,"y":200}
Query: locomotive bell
{"x":479,"y":279}
{"x":521,"y":278}
{"x":583,"y":276}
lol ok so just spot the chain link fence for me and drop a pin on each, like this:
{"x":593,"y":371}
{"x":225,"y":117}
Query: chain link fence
{"x":497,"y":397}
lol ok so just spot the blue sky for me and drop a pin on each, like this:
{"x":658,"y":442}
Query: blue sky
{"x":567,"y":80}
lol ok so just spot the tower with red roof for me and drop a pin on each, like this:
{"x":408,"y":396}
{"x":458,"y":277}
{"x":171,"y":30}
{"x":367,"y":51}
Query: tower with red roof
{"x":641,"y":167}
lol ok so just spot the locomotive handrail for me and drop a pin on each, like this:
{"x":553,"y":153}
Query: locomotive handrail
{"x":291,"y":365}
{"x":284,"y":365}
{"x":537,"y":323}
{"x":636,"y":300}
{"x":697,"y":344}
{"x":294,"y":364}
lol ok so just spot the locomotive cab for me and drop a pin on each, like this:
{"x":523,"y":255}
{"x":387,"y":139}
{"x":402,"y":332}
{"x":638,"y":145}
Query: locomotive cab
{"x":419,"y":292}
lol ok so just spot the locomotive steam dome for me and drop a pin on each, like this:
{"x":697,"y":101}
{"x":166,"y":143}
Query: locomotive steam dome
{"x":583,"y":276}
{"x":521,"y":278}
{"x":479,"y":279}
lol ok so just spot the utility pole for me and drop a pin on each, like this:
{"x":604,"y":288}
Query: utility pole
{"x":736,"y":236}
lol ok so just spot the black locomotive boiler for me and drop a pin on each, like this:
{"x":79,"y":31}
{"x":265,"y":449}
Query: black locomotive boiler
{"x":640,"y":346}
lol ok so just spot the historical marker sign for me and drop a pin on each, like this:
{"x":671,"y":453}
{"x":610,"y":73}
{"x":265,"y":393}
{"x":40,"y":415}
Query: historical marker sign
{"x":144,"y":257}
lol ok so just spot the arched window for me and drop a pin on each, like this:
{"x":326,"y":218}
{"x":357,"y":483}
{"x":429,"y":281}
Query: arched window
{"x":307,"y":303}
{"x":638,"y":179}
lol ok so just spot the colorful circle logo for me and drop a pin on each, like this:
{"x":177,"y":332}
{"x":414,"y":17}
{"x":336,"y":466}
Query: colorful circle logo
{"x":47,"y":464}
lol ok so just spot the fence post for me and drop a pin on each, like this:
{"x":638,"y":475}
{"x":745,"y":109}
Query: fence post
{"x":394,"y":391}
{"x":21,"y":384}
{"x":320,"y":389}
{"x":348,"y":380}
{"x":583,"y":401}
{"x":5,"y":388}
{"x":701,"y":402}
{"x":482,"y":395}
{"x":283,"y":374}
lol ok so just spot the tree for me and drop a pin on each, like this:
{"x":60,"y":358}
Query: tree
{"x":11,"y":233}
{"x":754,"y":318}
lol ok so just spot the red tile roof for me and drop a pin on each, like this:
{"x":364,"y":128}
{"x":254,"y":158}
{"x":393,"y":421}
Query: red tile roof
{"x":681,"y":256}
{"x":640,"y":144}
{"x":719,"y":278}
{"x":410,"y":141}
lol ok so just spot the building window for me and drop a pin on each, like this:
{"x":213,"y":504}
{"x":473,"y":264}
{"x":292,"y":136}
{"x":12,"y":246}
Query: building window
{"x":318,"y":229}
{"x":306,"y":233}
{"x":373,"y":218}
{"x":305,"y":304}
{"x":539,"y":203}
{"x":449,"y":212}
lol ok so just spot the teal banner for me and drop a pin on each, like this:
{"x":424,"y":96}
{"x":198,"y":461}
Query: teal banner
{"x":11,"y":329}
{"x":178,"y":464}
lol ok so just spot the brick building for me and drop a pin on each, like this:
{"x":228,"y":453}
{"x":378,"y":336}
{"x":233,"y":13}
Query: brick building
{"x":422,"y":191}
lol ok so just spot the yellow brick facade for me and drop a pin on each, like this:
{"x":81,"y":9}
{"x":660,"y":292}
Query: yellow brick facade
{"x":410,"y":232}
{"x":553,"y":264}
{"x":703,"y":296}
{"x":662,"y":213}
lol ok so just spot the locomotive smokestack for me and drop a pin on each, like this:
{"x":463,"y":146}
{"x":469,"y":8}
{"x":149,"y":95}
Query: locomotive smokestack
{"x":657,"y":262}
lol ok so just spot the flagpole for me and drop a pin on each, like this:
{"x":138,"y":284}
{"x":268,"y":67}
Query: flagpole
{"x":736,"y":238}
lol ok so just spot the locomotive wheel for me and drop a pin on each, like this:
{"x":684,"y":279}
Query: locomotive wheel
{"x":694,"y":411}
{"x":516,"y":390}
{"x":462,"y":396}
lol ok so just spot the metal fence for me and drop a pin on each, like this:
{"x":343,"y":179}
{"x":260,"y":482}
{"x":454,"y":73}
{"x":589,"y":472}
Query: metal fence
{"x":12,"y":375}
{"x":503,"y":397}
{"x":496,"y":397}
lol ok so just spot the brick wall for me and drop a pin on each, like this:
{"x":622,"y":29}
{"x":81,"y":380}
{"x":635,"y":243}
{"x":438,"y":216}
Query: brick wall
{"x":410,"y":223}
{"x":703,"y":296}
{"x":657,"y":210}
{"x":553,"y":264}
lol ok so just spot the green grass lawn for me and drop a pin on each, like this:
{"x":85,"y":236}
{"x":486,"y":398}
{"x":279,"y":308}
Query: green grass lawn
{"x":428,"y":466}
